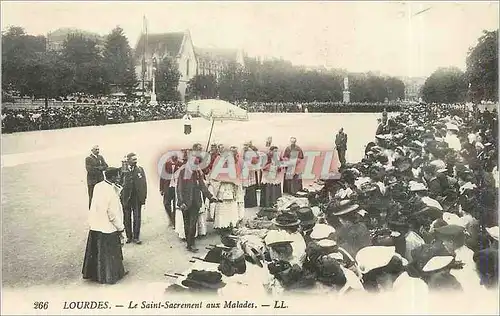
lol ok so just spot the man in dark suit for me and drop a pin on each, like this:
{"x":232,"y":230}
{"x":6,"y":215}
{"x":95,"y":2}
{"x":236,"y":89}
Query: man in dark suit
{"x":134,"y":195}
{"x":190,"y":187}
{"x":167,"y":187}
{"x":341,"y":145}
{"x":95,"y":165}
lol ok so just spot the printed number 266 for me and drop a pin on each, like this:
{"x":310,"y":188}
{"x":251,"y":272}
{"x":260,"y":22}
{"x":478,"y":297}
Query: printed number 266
{"x":41,"y":305}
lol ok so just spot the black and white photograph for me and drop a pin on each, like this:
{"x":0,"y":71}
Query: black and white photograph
{"x":249,"y":157}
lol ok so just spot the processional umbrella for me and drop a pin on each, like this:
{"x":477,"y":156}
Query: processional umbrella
{"x":215,"y":110}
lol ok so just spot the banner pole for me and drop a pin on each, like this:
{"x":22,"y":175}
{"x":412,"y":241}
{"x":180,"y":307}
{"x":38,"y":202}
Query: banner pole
{"x":210,"y":136}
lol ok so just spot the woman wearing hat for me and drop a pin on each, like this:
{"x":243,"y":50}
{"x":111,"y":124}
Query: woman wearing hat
{"x":351,"y":233}
{"x":272,"y":176}
{"x":289,"y":224}
{"x":103,"y":261}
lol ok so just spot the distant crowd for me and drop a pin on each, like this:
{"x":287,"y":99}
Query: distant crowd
{"x":21,"y":120}
{"x":41,"y":118}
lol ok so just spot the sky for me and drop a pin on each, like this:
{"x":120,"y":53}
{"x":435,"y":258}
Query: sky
{"x":388,"y":37}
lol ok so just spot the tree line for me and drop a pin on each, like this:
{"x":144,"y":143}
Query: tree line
{"x":84,"y":66}
{"x":81,"y":66}
{"x":280,"y":81}
{"x":479,"y":82}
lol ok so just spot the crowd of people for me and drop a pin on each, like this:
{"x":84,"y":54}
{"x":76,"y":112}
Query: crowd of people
{"x":417,"y":214}
{"x":27,"y":119}
{"x":40,"y":118}
{"x":319,"y":107}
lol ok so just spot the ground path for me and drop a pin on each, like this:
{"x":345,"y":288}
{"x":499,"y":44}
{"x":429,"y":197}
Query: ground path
{"x":44,"y":196}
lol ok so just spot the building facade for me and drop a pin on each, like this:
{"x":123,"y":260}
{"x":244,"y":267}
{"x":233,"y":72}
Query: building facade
{"x":177,"y":45}
{"x":413,"y":87}
{"x":213,"y":61}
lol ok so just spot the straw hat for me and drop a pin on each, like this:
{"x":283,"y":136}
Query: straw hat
{"x":373,"y":257}
{"x":493,"y":232}
{"x":321,"y":231}
{"x":274,"y":237}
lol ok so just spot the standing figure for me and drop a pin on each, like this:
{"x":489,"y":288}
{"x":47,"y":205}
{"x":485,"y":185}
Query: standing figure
{"x":230,"y":211}
{"x":167,"y":187}
{"x":272,"y":177}
{"x":187,"y":123}
{"x":249,"y":181}
{"x":190,"y":187}
{"x":133,"y":198}
{"x":95,"y":165}
{"x":103,"y":261}
{"x":341,"y":146}
{"x":292,"y":183}
{"x":383,"y":127}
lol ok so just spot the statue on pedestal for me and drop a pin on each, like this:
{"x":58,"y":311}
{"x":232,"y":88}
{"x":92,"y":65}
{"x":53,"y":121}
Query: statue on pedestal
{"x":346,"y":93}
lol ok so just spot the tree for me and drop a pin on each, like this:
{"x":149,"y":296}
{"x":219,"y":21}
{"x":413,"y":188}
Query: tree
{"x":482,"y":67}
{"x":83,"y":56}
{"x":395,"y":88}
{"x":167,"y":78}
{"x":17,"y":49}
{"x":49,"y":76}
{"x":202,"y":87}
{"x":445,"y":85}
{"x":231,"y":83}
{"x":118,"y":62}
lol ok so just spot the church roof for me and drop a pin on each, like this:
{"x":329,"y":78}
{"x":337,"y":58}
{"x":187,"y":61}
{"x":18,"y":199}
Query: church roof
{"x":162,"y":44}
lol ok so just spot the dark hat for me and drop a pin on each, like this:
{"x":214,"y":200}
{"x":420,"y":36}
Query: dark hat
{"x":369,"y":146}
{"x":330,"y":272}
{"x":306,"y":216}
{"x":204,"y":280}
{"x":287,"y":219}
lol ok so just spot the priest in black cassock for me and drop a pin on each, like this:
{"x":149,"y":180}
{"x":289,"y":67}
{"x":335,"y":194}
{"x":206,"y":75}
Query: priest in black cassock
{"x":292,"y":183}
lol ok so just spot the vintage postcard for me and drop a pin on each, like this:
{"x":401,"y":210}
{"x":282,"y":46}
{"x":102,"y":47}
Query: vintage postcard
{"x":315,"y":157}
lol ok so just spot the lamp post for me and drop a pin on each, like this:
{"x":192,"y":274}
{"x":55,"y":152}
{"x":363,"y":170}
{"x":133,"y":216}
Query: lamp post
{"x":153,"y":93}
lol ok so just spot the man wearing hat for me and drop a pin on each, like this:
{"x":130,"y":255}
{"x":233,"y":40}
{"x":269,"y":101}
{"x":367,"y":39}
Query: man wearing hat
{"x":189,"y":193}
{"x":134,"y":195}
{"x":95,"y":165}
